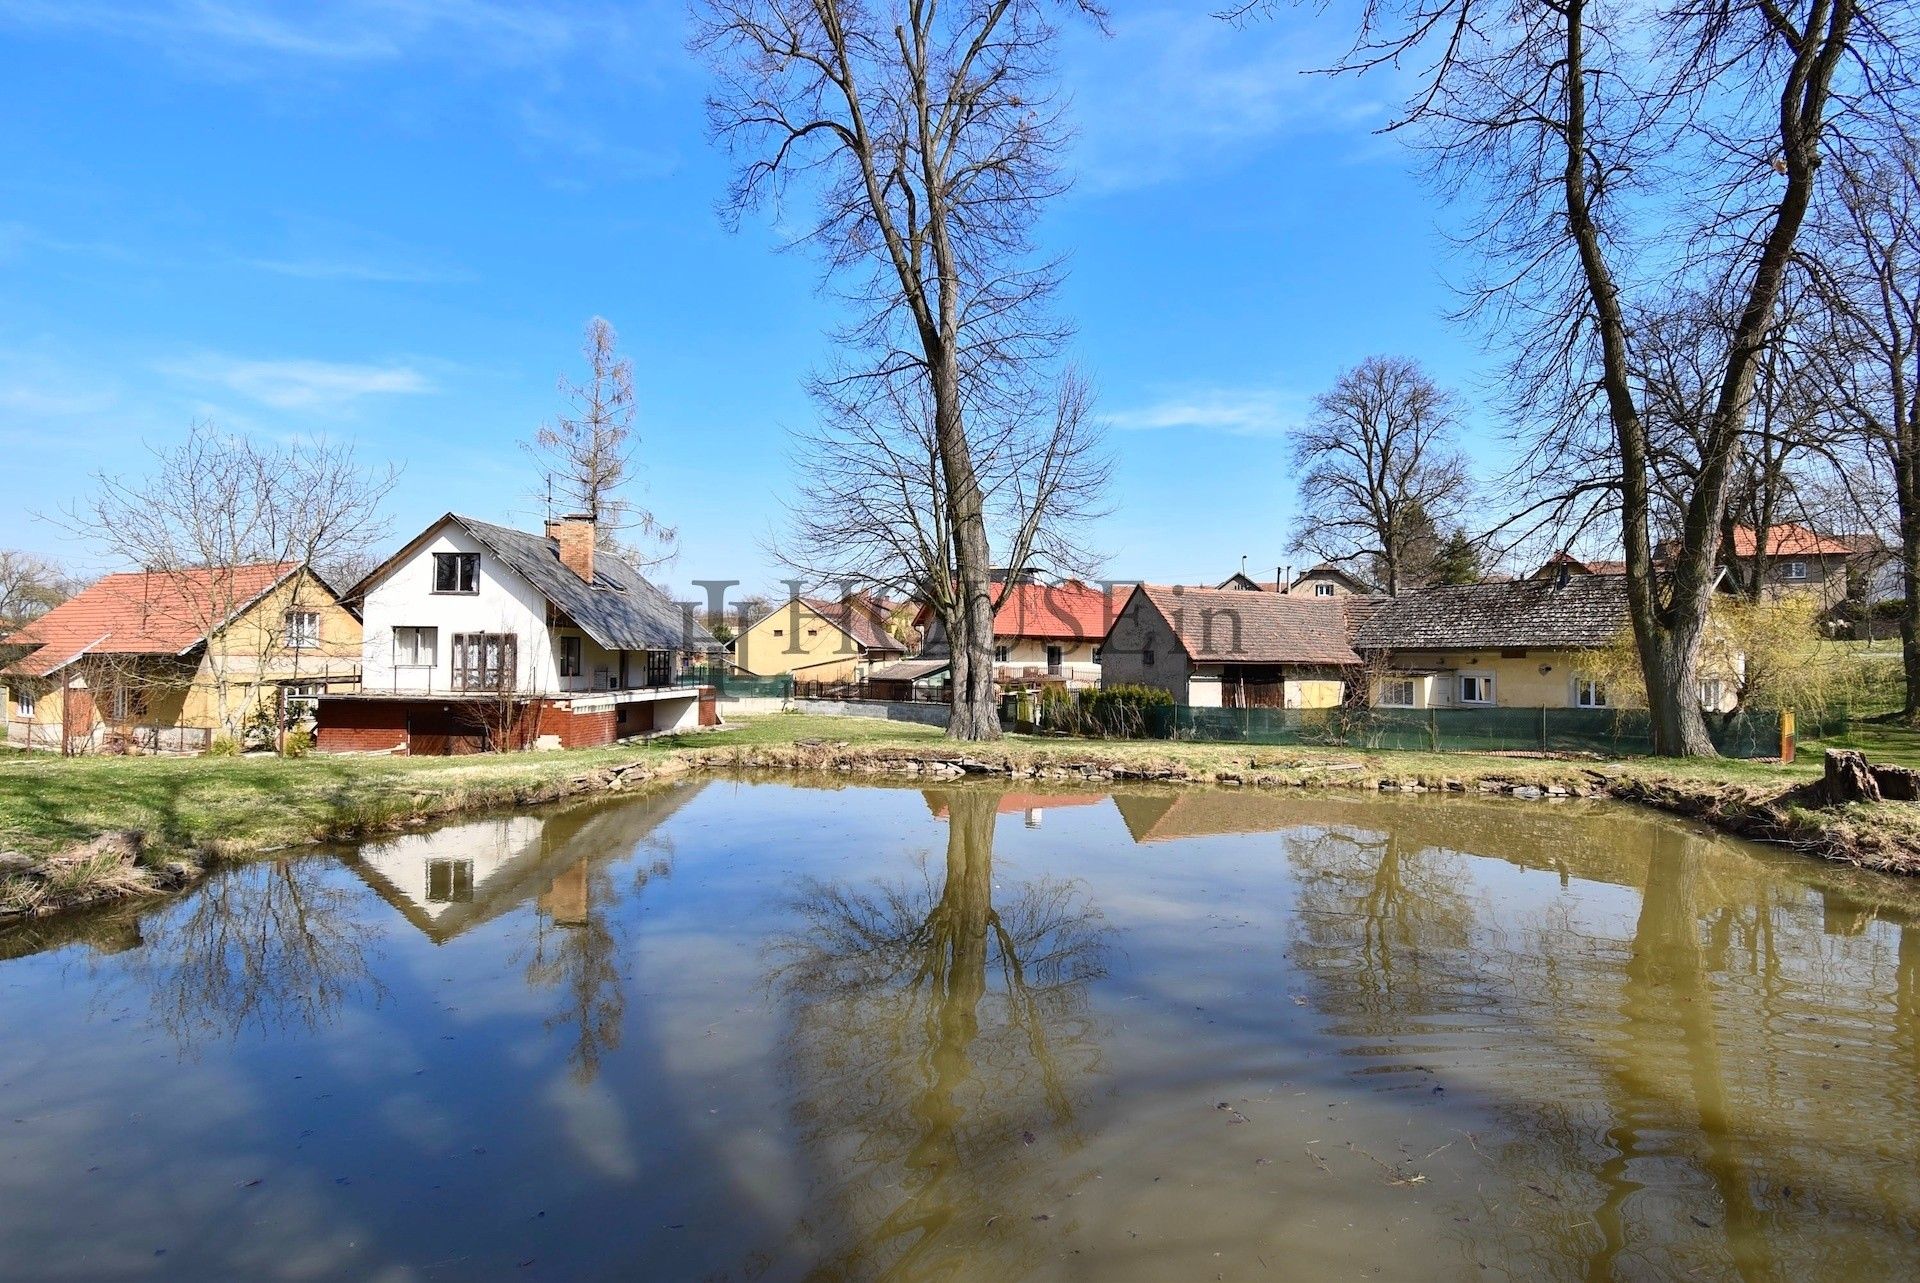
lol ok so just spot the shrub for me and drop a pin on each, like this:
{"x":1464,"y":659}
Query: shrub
{"x":299,"y":742}
{"x":223,"y":746}
{"x":1123,"y":712}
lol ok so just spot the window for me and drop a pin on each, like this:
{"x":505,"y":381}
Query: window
{"x":569,"y":656}
{"x":1587,"y":693}
{"x":456,"y":572}
{"x":1001,"y":654}
{"x":297,"y":701}
{"x":303,"y":629}
{"x":127,"y":703}
{"x":449,"y":881}
{"x":1476,"y":688}
{"x":1796,"y":570}
{"x":484,"y":661}
{"x":415,"y":647}
{"x":23,"y":703}
{"x":1146,"y":657}
{"x":1096,"y":654}
{"x":1056,"y":657}
{"x":1323,"y":590}
{"x":659,"y":667}
{"x":1713,"y":694}
{"x":779,"y":632}
{"x":1397,"y":692}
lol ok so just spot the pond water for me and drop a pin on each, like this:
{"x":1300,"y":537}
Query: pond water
{"x":748,"y":1030}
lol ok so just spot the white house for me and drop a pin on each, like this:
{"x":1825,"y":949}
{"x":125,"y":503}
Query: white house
{"x":477,"y":636}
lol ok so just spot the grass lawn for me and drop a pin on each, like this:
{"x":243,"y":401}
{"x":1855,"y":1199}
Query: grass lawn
{"x":233,"y":806}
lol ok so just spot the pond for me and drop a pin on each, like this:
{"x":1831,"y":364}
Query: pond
{"x":734,"y":1029}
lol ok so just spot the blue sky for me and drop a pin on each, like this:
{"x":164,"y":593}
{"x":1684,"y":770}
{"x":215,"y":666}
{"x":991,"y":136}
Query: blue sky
{"x":389,"y":220}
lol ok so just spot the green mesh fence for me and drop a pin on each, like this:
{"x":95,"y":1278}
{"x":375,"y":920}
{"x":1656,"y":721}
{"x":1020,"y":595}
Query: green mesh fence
{"x":732,"y":685}
{"x":1612,"y":732}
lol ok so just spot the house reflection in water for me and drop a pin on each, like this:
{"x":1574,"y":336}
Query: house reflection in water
{"x":448,"y":880}
{"x":1031,"y":807}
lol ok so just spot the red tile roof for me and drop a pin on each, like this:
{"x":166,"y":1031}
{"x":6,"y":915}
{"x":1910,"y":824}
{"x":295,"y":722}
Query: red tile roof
{"x":1789,"y":540}
{"x":140,"y":613}
{"x":1059,"y":612}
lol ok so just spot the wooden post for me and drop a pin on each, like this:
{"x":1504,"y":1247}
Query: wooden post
{"x":1787,"y":739}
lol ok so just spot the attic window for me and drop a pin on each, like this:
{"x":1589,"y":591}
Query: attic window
{"x":456,"y":572}
{"x":1323,"y":590}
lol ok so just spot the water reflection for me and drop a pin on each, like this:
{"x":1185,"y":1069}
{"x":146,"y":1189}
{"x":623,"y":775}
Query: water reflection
{"x":941,"y":1036}
{"x":272,"y":948}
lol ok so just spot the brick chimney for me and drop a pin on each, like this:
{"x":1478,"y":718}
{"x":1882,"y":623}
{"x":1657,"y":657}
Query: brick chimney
{"x":574,"y":534}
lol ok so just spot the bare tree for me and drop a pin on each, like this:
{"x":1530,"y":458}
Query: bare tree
{"x":926,"y":136}
{"x":1379,"y":474}
{"x":585,"y":456}
{"x":30,"y":586}
{"x":1616,"y":153}
{"x":217,"y":504}
{"x":1869,"y":270}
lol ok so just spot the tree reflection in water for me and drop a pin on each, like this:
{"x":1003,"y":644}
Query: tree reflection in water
{"x":941,"y":1036}
{"x":264,"y":948}
{"x":1663,"y":1081}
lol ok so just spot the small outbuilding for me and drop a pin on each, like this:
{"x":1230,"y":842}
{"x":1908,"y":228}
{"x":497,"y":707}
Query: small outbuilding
{"x":1226,"y":647}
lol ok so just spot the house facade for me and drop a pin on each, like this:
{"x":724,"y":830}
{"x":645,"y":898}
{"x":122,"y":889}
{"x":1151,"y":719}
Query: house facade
{"x":1527,"y":643}
{"x":171,"y":660}
{"x":1226,"y":647}
{"x":477,"y":636}
{"x":817,"y":640}
{"x":1043,"y":634}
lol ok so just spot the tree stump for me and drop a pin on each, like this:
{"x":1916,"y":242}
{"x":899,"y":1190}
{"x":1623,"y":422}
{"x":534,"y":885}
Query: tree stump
{"x":1849,"y":778}
{"x":1897,"y":783}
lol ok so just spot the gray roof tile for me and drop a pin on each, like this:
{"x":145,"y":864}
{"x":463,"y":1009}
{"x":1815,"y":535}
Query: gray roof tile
{"x":1588,"y":610}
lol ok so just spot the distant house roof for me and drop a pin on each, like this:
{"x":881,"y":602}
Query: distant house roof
{"x":1059,"y":612}
{"x":1578,"y":565}
{"x":1587,"y":611}
{"x":1226,"y":625}
{"x":858,"y":619}
{"x":620,"y":609}
{"x":1790,"y":540}
{"x":1327,"y":570}
{"x":147,"y":612}
{"x":1241,"y":581}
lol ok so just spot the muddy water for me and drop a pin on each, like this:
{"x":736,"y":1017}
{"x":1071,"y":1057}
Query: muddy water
{"x":742,"y":1030}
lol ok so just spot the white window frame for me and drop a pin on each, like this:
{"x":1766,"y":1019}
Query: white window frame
{"x":1590,"y":692}
{"x":24,"y":704}
{"x":1486,"y":685}
{"x":1796,"y":570}
{"x":1003,"y":654}
{"x":1323,"y":590}
{"x":1712,"y":692}
{"x":302,"y":696}
{"x":299,"y":637}
{"x":1096,"y":654}
{"x":1387,"y":685}
{"x":429,"y":633}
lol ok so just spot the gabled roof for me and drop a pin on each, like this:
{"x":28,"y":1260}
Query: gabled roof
{"x":1578,"y":565}
{"x":858,"y":619}
{"x":1790,"y":540}
{"x":1227,"y":625}
{"x":1059,"y":612}
{"x":1587,"y":611}
{"x":620,"y":609}
{"x":147,"y":612}
{"x":1327,"y":570}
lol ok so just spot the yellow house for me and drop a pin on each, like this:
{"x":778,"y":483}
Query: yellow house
{"x":172,"y":660}
{"x":816,"y":640}
{"x":1529,"y":643}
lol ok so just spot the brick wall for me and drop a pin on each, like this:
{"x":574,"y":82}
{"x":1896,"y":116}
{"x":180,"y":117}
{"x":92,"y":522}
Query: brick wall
{"x":360,"y":726}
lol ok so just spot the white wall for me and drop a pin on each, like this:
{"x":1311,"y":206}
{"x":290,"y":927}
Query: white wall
{"x":505,"y":603}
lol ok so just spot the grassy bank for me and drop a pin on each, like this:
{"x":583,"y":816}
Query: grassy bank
{"x":190,"y":811}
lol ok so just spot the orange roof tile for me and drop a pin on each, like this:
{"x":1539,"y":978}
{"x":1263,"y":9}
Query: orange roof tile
{"x":140,"y":613}
{"x":1068,"y":612}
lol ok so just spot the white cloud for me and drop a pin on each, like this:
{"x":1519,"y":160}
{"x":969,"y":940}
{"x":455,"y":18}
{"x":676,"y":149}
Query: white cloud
{"x":1234,"y":411}
{"x":1173,"y":90}
{"x":299,"y":384}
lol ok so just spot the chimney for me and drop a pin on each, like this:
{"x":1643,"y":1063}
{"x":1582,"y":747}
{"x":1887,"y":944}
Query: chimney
{"x":575,"y":535}
{"x":1284,"y":582}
